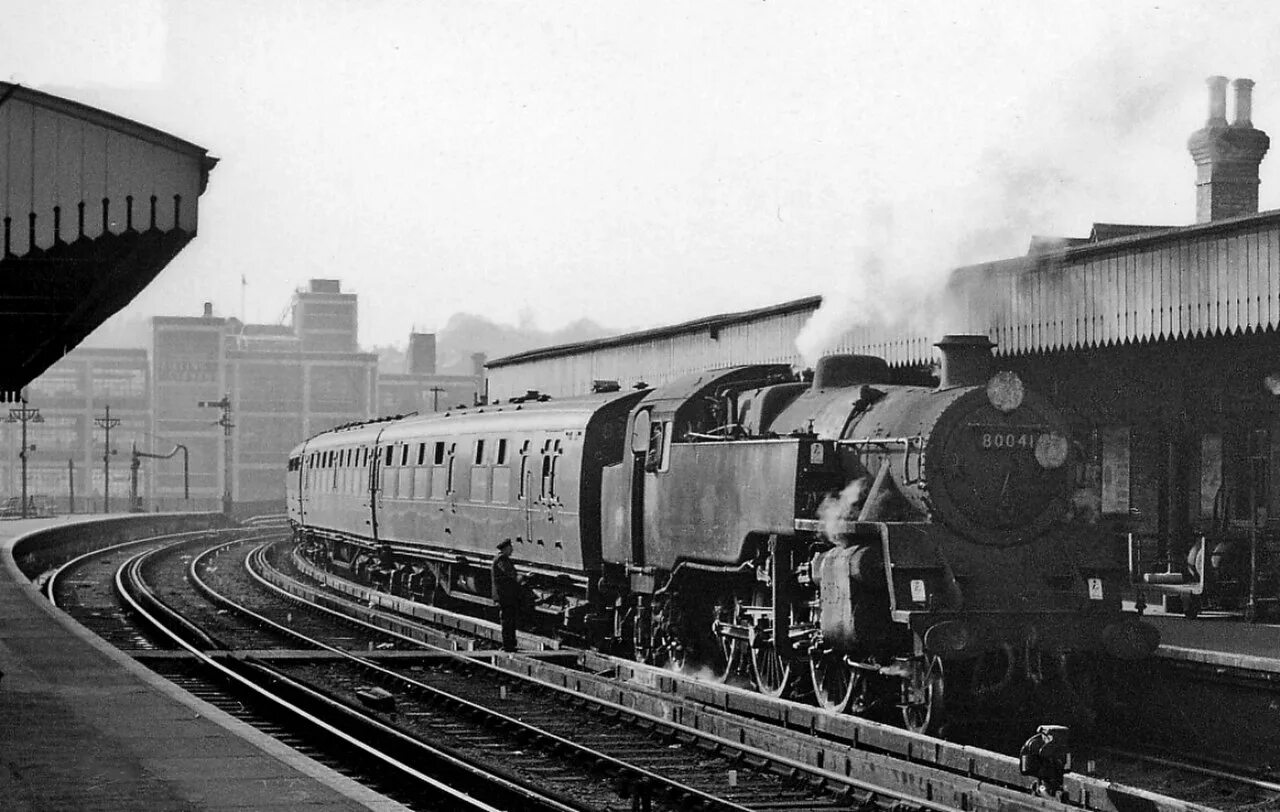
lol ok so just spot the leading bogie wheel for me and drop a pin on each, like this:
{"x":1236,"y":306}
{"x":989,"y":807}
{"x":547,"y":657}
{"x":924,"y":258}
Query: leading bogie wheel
{"x":833,"y":681}
{"x":729,"y":661}
{"x":923,"y":696}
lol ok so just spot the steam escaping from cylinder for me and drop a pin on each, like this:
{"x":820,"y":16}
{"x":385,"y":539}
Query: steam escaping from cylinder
{"x":835,"y":510}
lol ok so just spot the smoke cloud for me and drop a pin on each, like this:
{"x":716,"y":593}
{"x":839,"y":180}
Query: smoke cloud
{"x":1052,"y":164}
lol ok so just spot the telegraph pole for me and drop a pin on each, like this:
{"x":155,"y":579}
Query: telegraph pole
{"x":227,"y":425}
{"x":106,"y":422}
{"x":24,"y":415}
{"x":435,"y":398}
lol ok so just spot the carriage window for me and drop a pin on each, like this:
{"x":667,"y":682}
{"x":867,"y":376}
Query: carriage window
{"x":657,"y":444}
{"x":523,"y":492}
{"x":439,"y":456}
{"x":502,"y":452}
{"x":664,"y":461}
{"x":422,"y":453}
{"x":547,"y":473}
{"x":478,"y":459}
{"x":404,"y":454}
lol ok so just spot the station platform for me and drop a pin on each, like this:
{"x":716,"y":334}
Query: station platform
{"x":1223,"y":639}
{"x":84,"y":727}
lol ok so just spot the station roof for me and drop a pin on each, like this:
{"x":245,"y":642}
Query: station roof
{"x":95,"y":206}
{"x":1123,"y":283}
{"x":705,"y":324}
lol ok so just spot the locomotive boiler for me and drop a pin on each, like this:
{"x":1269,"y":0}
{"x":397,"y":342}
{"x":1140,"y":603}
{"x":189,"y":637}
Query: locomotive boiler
{"x":895,"y":544}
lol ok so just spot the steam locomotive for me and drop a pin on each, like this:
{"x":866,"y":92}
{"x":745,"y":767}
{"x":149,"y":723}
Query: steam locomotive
{"x":899,"y":543}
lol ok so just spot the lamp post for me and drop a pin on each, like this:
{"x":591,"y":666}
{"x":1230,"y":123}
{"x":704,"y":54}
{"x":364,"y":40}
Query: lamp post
{"x":186,"y":469}
{"x":24,"y":415}
{"x":106,"y":422}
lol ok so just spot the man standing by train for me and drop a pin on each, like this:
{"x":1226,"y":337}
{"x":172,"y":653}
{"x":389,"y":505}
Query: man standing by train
{"x":506,"y":591}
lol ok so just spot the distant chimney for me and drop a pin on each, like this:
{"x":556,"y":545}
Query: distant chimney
{"x":422,"y":353}
{"x":326,"y":286}
{"x":208,"y":310}
{"x":477,"y":363}
{"x":1227,"y":156}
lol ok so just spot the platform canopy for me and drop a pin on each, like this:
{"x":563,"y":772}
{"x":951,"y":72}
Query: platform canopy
{"x":95,"y":205}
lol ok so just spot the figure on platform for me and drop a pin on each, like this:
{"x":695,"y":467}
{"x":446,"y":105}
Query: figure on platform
{"x":506,"y":591}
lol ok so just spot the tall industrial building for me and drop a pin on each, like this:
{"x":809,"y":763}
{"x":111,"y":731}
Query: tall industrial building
{"x":283,"y":383}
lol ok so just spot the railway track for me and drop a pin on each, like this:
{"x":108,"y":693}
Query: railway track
{"x":359,"y":742}
{"x":1190,"y":775}
{"x":600,"y":748}
{"x":577,"y":727}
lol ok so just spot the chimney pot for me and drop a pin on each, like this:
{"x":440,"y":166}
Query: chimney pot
{"x":1244,"y":103}
{"x":1217,"y":101}
{"x":1227,"y":158}
{"x":208,"y":310}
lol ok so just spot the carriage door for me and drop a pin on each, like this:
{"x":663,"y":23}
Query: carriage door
{"x":525,"y":493}
{"x":640,"y":429}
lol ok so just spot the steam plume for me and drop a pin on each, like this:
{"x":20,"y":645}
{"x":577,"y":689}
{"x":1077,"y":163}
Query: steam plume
{"x":836,"y":510}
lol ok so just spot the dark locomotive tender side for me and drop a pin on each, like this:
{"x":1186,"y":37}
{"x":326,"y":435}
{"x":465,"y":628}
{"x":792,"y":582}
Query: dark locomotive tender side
{"x":904,"y":537}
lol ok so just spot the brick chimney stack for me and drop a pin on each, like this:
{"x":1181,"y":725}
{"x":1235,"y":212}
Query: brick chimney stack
{"x":1227,"y":155}
{"x":422,"y":353}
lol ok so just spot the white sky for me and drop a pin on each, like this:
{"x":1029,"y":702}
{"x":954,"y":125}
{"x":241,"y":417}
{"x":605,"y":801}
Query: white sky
{"x":644,"y":163}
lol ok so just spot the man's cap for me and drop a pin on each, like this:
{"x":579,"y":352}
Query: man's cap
{"x":504,"y":543}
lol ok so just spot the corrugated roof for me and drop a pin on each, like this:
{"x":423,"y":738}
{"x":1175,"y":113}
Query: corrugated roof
{"x":697,"y":325}
{"x":1123,"y":283}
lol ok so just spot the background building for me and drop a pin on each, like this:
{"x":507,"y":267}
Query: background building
{"x":283,"y":384}
{"x":419,"y":389}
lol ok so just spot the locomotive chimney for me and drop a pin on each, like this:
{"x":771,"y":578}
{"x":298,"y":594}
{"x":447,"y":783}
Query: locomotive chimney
{"x":966,"y":360}
{"x":1227,"y":155}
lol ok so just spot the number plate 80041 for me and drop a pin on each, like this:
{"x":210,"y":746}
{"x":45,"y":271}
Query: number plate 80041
{"x":1007,"y":438}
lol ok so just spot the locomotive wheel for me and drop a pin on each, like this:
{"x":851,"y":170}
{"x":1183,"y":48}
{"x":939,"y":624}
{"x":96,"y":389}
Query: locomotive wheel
{"x":772,"y":673}
{"x":834,"y":681}
{"x":730,"y":659}
{"x":923,"y":697}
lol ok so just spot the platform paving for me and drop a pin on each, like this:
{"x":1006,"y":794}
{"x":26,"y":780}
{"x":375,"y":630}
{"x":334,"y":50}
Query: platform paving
{"x":84,"y":727}
{"x":1219,"y":638}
